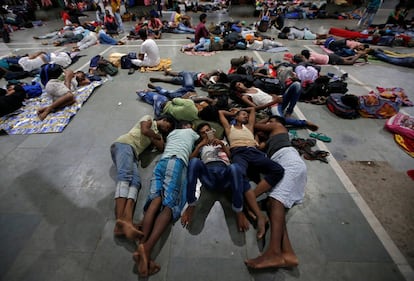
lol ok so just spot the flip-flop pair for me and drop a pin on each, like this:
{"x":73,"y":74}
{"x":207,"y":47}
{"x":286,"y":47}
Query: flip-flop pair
{"x":320,"y":136}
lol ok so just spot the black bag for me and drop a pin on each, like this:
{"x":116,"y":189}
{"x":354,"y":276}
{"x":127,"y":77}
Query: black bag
{"x":316,"y":89}
{"x":50,"y":71}
{"x":269,"y":85}
{"x":337,"y":86}
{"x":126,"y":60}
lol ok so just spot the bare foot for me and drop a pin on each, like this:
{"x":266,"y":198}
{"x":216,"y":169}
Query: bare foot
{"x":242,"y":222}
{"x":266,"y":261}
{"x":129,"y":230}
{"x":153,"y":268}
{"x":43,"y":112}
{"x":141,"y":261}
{"x":291,"y":260}
{"x":311,"y":126}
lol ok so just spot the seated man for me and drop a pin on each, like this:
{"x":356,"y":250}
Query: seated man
{"x":215,"y":172}
{"x":149,"y":54}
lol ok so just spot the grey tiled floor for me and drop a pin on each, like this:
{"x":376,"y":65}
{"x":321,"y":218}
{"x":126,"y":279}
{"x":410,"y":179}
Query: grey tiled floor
{"x":56,"y":215}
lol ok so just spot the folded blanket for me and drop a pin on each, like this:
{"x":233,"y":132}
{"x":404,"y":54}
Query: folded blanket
{"x":25,"y":120}
{"x":165,"y":64}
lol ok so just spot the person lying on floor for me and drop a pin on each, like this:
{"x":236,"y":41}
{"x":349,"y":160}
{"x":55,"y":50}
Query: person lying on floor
{"x":292,"y":32}
{"x":210,"y":163}
{"x":285,"y":194}
{"x":200,"y":79}
{"x":343,"y":47}
{"x":20,"y":67}
{"x":60,"y":91}
{"x":277,"y":105}
{"x":333,"y":59}
{"x":258,"y":44}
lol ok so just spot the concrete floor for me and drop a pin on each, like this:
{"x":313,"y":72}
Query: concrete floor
{"x":56,"y":190}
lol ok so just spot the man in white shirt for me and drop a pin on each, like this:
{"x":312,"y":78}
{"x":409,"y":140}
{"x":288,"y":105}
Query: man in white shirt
{"x":149,"y":54}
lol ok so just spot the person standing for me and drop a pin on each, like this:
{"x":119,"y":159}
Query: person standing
{"x":369,"y":14}
{"x":149,"y":54}
{"x":116,"y":10}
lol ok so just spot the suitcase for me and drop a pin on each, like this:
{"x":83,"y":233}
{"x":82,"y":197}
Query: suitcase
{"x":336,"y":106}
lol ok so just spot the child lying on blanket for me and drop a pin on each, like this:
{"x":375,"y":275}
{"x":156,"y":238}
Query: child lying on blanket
{"x":61,"y":92}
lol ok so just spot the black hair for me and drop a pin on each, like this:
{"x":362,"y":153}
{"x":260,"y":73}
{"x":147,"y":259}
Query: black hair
{"x":305,"y":53}
{"x":286,"y":29}
{"x":279,"y":119}
{"x":201,"y":125}
{"x":183,"y":123}
{"x":366,"y":46}
{"x":169,"y":119}
{"x":222,"y":77}
{"x":143,"y":33}
{"x":297,"y":58}
{"x":203,"y":16}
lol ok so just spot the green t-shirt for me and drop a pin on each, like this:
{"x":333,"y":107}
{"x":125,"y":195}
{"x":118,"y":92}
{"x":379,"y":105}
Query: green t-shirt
{"x":136,"y":139}
{"x":181,"y":109}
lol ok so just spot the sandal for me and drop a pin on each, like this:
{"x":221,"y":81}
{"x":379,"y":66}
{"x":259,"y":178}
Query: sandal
{"x":320,"y":136}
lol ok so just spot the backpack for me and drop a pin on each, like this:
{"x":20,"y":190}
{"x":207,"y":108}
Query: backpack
{"x":33,"y":90}
{"x":336,"y":105}
{"x":269,"y":85}
{"x":337,"y":87}
{"x":50,"y":71}
{"x":109,"y":69}
{"x":218,"y":89}
{"x":126,"y":62}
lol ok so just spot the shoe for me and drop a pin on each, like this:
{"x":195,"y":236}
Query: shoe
{"x":131,"y":71}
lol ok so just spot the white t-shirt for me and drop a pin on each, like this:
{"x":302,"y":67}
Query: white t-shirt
{"x":61,"y":58}
{"x":151,"y":51}
{"x":256,"y":45}
{"x":260,"y":97}
{"x":56,"y":89}
{"x":31,"y":64}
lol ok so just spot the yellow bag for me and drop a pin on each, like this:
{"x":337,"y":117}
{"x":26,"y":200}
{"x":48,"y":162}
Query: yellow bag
{"x":115,"y":58}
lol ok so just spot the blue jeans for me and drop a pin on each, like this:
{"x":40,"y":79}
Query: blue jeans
{"x":290,"y":98}
{"x":251,"y":156}
{"x":156,"y":100}
{"x":182,"y":27}
{"x":126,"y":164}
{"x":404,"y":61}
{"x":106,"y":39}
{"x":217,"y":176}
{"x":202,"y":44}
{"x":184,"y":77}
{"x":187,"y":86}
{"x":118,"y":20}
